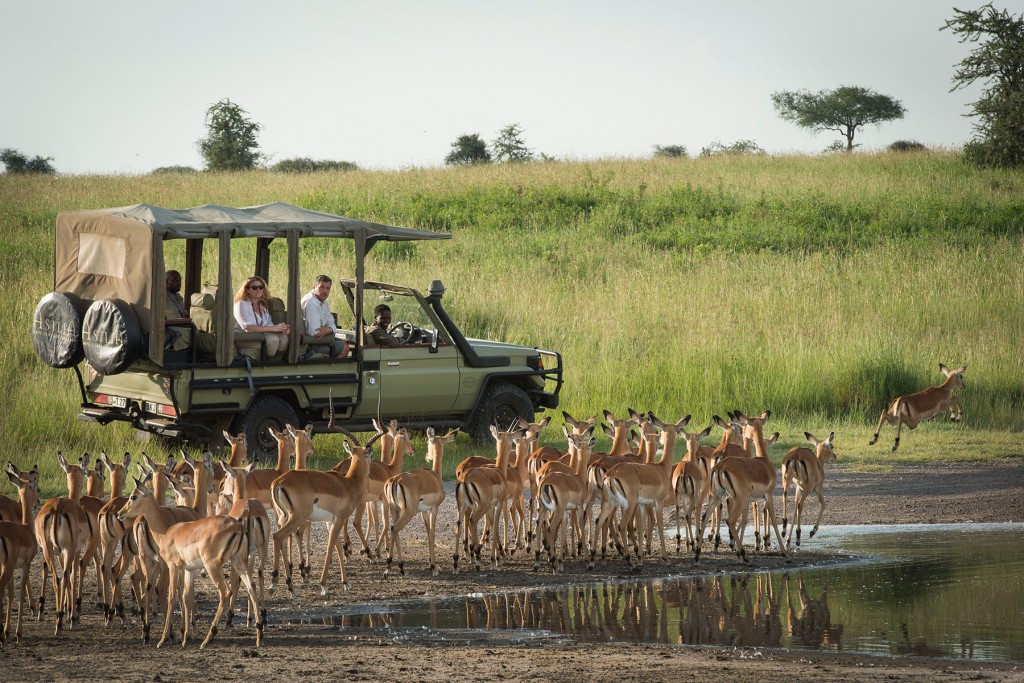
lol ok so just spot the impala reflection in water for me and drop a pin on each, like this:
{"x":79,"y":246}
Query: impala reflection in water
{"x":951,"y":591}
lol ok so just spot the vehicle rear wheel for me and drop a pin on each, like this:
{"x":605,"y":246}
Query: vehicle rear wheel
{"x":501,"y":405}
{"x":265,"y":412}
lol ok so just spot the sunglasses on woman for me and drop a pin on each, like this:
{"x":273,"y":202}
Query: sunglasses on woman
{"x":256,"y":286}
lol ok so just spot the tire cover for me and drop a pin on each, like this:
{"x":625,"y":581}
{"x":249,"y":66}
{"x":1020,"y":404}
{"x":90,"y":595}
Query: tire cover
{"x":57,"y":329}
{"x":111,"y":336}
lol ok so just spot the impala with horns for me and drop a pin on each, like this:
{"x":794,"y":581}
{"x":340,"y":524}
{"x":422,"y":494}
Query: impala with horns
{"x":913,"y":409}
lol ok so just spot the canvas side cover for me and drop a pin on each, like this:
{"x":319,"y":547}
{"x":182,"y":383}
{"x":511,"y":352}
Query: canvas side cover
{"x":101,"y":256}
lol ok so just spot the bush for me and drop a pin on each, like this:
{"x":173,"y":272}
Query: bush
{"x":907,"y":146}
{"x":738,"y":147}
{"x":306,"y":165}
{"x":673,"y":151}
{"x":172,"y":170}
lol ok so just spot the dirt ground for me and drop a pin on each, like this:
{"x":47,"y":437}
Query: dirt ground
{"x":992,"y":492}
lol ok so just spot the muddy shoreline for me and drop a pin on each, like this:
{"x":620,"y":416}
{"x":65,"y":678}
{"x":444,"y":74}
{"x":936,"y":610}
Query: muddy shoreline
{"x":939,"y":493}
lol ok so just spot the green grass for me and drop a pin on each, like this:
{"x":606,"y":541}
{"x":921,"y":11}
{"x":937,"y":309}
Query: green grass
{"x":819,"y":288}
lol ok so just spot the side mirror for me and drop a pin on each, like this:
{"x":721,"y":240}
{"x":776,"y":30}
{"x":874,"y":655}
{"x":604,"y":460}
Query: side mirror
{"x":433,"y":341}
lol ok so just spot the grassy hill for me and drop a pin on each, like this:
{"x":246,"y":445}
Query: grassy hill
{"x":817,"y":287}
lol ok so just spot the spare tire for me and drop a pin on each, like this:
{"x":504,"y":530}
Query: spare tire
{"x":112,"y":336}
{"x":57,"y":329}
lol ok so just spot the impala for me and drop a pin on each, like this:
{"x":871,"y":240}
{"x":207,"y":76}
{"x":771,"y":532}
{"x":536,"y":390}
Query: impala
{"x":806,"y":468}
{"x":242,"y":507}
{"x":61,"y":530}
{"x":380,"y":472}
{"x":111,"y":532}
{"x":743,"y":480}
{"x":12,"y":510}
{"x":207,"y":543}
{"x":481,"y":495}
{"x":562,"y":495}
{"x":18,"y":548}
{"x":632,"y":487}
{"x":302,"y":496}
{"x":88,"y":520}
{"x":731,"y":445}
{"x":420,"y":490}
{"x":688,"y":487}
{"x":913,"y":409}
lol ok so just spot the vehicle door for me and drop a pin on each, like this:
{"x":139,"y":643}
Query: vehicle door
{"x":413,"y":380}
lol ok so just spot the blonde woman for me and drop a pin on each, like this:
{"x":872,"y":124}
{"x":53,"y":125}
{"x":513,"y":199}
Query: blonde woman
{"x":253,"y":315}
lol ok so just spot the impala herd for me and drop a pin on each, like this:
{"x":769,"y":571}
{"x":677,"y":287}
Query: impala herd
{"x":540,"y":499}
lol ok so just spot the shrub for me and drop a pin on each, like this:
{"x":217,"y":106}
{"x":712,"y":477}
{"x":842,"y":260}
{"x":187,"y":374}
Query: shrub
{"x":907,"y":146}
{"x":172,"y":170}
{"x":673,"y":151}
{"x":738,"y":147}
{"x":307,"y":165}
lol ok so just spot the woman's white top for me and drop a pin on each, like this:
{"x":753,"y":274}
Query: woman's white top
{"x":246,"y":317}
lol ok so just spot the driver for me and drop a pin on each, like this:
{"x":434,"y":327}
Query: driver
{"x":378,"y":331}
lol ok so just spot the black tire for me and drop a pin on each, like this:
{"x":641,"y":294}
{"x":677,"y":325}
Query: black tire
{"x":112,"y":336}
{"x":57,"y":329}
{"x":265,"y":411}
{"x":501,"y":405}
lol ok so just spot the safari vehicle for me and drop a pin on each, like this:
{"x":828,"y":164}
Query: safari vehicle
{"x":186,"y":379}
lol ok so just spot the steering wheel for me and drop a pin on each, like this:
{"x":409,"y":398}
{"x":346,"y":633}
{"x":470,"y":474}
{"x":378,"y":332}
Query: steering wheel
{"x":402,"y":331}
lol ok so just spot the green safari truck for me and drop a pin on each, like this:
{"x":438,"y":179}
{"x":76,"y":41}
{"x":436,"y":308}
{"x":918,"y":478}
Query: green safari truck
{"x":191,"y":378}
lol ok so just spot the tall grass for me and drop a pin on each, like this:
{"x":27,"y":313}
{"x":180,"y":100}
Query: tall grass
{"x":819,"y":288}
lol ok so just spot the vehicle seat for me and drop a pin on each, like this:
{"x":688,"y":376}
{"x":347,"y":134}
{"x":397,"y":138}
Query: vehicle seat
{"x":201,"y":312}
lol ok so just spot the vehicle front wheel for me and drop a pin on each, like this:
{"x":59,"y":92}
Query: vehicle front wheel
{"x":501,"y":405}
{"x":265,"y":412}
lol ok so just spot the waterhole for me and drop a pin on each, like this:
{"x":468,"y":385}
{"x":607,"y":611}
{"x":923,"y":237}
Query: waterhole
{"x":948,"y":591}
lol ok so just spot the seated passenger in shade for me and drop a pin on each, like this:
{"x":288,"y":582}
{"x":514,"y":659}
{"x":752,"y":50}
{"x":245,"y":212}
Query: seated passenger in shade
{"x":252,"y":314}
{"x":319,"y":321}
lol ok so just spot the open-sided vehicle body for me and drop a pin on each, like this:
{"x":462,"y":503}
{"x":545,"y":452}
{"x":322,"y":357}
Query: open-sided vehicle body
{"x":188,"y":379}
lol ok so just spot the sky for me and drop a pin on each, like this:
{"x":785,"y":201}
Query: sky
{"x":115,"y":87}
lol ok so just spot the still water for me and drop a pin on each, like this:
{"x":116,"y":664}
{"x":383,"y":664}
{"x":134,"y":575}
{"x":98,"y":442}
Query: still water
{"x":951,"y":591}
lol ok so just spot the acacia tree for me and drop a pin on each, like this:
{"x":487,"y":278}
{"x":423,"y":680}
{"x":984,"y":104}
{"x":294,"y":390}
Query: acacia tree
{"x":843,"y":110}
{"x":230,"y":143}
{"x":997,"y":61}
{"x":468,"y":149}
{"x":509,"y":146}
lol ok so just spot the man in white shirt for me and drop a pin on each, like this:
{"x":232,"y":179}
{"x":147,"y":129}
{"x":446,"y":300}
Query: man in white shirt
{"x":319,"y":322}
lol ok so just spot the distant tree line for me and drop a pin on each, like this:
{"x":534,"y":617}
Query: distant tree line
{"x":996,"y":60}
{"x":17,"y":163}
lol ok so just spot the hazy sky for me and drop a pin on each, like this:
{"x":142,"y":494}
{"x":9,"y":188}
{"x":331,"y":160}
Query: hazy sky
{"x":122,"y":87}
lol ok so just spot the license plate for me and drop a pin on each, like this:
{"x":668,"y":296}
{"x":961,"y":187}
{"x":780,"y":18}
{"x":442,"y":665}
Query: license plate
{"x":152,"y":407}
{"x":118,"y":402}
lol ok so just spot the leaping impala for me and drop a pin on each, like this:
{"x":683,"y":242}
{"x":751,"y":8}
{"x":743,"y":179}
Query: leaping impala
{"x":913,"y":409}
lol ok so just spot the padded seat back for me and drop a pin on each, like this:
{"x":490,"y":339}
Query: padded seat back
{"x":278,"y":313}
{"x":201,"y":311}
